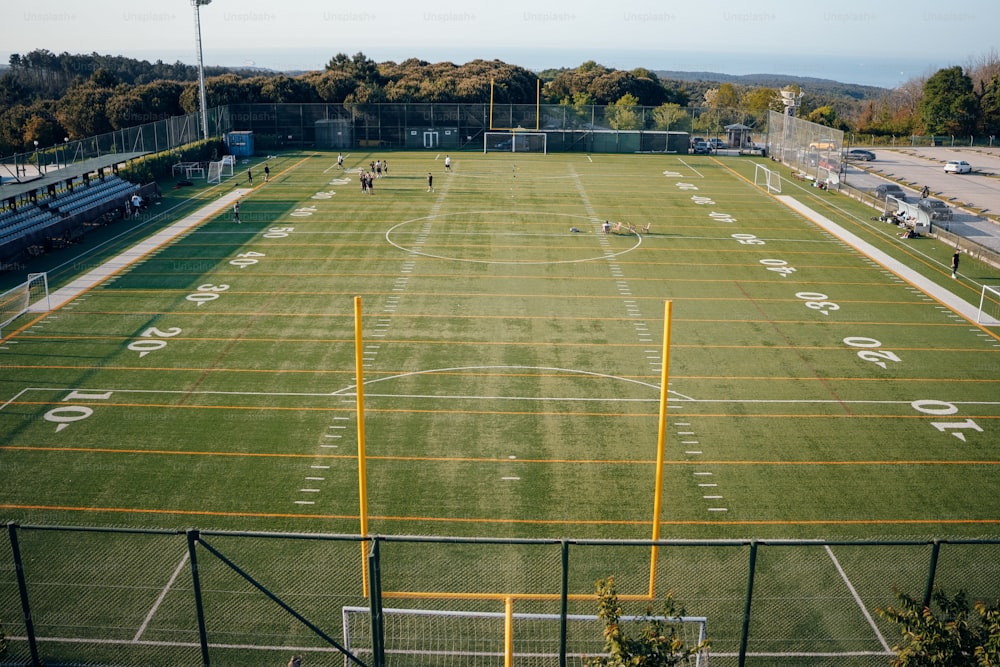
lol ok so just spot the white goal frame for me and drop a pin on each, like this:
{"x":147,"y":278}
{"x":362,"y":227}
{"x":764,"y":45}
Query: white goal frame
{"x":220,"y":169}
{"x":986,"y":318}
{"x":771,"y":180}
{"x":19,"y":300}
{"x":435,"y":640}
{"x":515,"y":142}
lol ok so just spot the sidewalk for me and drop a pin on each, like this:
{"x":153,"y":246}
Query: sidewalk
{"x":927,"y":286}
{"x":64,"y":295}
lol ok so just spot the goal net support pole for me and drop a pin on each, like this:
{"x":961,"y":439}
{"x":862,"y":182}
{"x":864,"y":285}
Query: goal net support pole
{"x":660,"y":445}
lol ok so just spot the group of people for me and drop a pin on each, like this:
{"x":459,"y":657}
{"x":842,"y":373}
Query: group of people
{"x":267,"y":175}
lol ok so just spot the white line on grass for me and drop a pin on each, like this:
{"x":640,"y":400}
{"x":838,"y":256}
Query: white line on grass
{"x":857,"y":599}
{"x":162,"y":596}
{"x":698,"y":173}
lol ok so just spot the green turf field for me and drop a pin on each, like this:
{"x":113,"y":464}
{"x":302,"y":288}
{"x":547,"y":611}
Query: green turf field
{"x":512,"y":366}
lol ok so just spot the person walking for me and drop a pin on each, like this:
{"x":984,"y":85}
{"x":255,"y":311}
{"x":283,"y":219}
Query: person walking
{"x":954,"y":263}
{"x":430,"y":182}
{"x":267,"y":173}
{"x":236,"y":212}
{"x":250,"y":177}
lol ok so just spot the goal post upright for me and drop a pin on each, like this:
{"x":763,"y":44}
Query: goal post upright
{"x":660,"y":445}
{"x":362,"y":464}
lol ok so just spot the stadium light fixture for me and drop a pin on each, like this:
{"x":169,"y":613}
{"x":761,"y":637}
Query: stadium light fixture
{"x":197,"y":4}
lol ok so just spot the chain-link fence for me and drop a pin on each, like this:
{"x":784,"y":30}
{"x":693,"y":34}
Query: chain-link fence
{"x":154,"y":137}
{"x":454,"y":126}
{"x":147,"y":597}
{"x":814,"y":150}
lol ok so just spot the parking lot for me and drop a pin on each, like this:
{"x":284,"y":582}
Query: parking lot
{"x":925,"y":166}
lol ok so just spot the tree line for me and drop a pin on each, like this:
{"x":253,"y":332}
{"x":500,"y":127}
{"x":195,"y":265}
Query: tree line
{"x":47,"y":98}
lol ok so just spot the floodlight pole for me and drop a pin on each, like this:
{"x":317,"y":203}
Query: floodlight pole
{"x":201,"y":66}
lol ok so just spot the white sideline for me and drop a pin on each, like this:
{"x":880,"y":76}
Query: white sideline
{"x":927,"y":286}
{"x":67,"y":293}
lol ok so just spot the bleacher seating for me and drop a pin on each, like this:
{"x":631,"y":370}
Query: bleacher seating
{"x":81,"y":199}
{"x":30,"y":217}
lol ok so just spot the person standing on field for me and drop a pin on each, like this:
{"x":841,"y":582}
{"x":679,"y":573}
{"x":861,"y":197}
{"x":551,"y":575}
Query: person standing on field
{"x":954,"y":263}
{"x":447,"y":163}
{"x":236,"y":212}
{"x":250,"y":177}
{"x":267,"y":173}
{"x":430,"y":182}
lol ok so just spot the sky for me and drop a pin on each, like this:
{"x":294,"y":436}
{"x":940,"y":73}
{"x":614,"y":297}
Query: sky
{"x":883,"y":42}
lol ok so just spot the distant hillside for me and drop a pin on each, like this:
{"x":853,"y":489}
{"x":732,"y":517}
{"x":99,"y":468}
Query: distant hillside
{"x":808,"y":84}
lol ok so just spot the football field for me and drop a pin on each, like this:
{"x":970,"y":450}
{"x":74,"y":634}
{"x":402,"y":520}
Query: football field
{"x":512,"y":353}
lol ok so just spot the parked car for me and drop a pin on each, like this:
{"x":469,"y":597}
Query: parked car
{"x":716,"y":144}
{"x":702,"y":147}
{"x":860,"y":154}
{"x":935,"y":208}
{"x":889,"y":190}
{"x":957,"y":167}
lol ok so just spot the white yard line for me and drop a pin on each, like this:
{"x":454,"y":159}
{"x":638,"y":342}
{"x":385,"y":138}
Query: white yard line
{"x":159,"y":600}
{"x":113,"y":266}
{"x":857,"y":599}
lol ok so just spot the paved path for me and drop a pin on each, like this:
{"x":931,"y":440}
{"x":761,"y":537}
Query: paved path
{"x":925,"y":285}
{"x":64,"y":295}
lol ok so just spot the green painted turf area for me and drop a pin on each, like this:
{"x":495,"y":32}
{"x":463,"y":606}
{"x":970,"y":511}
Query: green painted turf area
{"x":512,"y":365}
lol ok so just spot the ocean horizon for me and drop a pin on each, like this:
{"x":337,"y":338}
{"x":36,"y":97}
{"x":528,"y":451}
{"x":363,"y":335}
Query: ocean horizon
{"x":880,"y":71}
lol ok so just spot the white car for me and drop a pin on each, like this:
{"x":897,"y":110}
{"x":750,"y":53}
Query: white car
{"x":957,"y":167}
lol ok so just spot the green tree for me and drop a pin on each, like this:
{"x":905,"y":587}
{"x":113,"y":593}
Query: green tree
{"x":622,"y":115}
{"x":989,"y":107}
{"x":670,"y":116}
{"x":826,"y":115}
{"x":950,"y":637}
{"x":657,"y":645}
{"x":948,"y":105}
{"x":83,"y":110}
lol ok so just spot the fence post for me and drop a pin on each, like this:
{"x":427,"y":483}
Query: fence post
{"x":22,"y":588}
{"x":563,"y":603}
{"x":375,"y":602}
{"x":192,"y":539}
{"x":744,"y":634}
{"x":932,"y":573}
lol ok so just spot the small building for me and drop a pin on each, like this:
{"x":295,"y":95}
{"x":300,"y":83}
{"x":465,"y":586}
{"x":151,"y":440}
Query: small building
{"x":739,"y":136}
{"x":240,"y":143}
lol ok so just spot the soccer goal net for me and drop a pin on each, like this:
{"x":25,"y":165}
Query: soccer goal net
{"x":515,"y":142}
{"x":433,"y":638}
{"x":19,"y":300}
{"x":221,"y":169}
{"x":767,"y":178}
{"x":989,"y":306}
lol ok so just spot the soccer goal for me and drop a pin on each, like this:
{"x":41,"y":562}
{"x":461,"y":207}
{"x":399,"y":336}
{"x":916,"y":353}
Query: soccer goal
{"x":223,"y":168}
{"x":437,"y":637}
{"x":767,"y":178}
{"x":515,"y":142}
{"x":989,"y":306}
{"x":19,"y":300}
